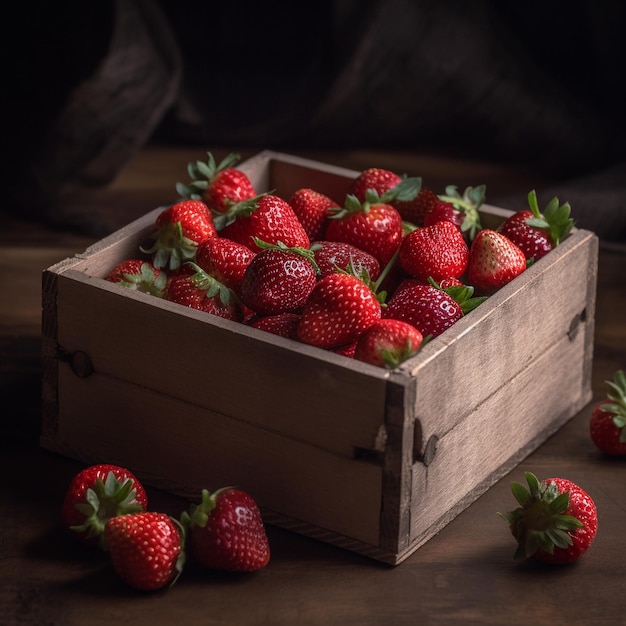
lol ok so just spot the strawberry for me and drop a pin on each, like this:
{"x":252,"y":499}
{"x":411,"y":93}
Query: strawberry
{"x":226,"y":531}
{"x":179,"y":230}
{"x":438,"y":251}
{"x":443,"y":211}
{"x":372,"y":225}
{"x":430,"y":310}
{"x":226,"y":260}
{"x":556,"y":521}
{"x":536,"y":233}
{"x":204,"y":293}
{"x":375,"y":178}
{"x":268,"y":218}
{"x":607,"y":425}
{"x":333,"y":255}
{"x":97,"y":493}
{"x":138,"y":275}
{"x":494,"y":260}
{"x":219,"y":185}
{"x":311,"y":207}
{"x":279,"y":279}
{"x":282,"y":324}
{"x":340,"y":308}
{"x":416,"y":210}
{"x":146,"y":549}
{"x":387,"y":343}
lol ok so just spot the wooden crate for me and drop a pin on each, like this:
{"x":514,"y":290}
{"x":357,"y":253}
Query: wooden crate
{"x":372,"y":460}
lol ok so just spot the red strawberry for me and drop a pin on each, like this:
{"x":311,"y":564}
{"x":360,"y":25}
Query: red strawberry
{"x":97,"y":493}
{"x":279,"y":279}
{"x":204,"y":293}
{"x":443,"y":211}
{"x":494,"y":260}
{"x":438,"y":251}
{"x":146,"y":549}
{"x":347,"y":350}
{"x":266,"y":217}
{"x":340,"y":308}
{"x":219,"y":185}
{"x":179,"y":230}
{"x":416,"y":210}
{"x":537,"y":233}
{"x":311,"y":207}
{"x":387,"y":343}
{"x":226,"y":260}
{"x":556,"y":521}
{"x":607,"y":425}
{"x":373,"y":226}
{"x":139,"y":275}
{"x":378,"y":179}
{"x":333,"y":255}
{"x":429,"y":309}
{"x":282,"y":324}
{"x":226,"y":531}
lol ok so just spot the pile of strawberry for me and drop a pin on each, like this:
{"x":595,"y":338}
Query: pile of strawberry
{"x":370,"y":278}
{"x":106,"y":506}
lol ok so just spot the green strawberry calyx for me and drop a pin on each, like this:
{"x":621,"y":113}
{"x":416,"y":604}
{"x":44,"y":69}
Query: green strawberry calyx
{"x":236,"y":210}
{"x":211,"y":285}
{"x":146,"y":281}
{"x":469,"y":204}
{"x":198,"y":514}
{"x":202,"y":173}
{"x":463,"y":295}
{"x":171,"y":247}
{"x":540,"y":522}
{"x":617,"y":402}
{"x":555,"y":218}
{"x":106,"y":499}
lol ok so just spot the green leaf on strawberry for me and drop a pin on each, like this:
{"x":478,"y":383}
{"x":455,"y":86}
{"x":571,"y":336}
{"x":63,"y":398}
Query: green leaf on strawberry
{"x":469,"y":203}
{"x":555,"y":218}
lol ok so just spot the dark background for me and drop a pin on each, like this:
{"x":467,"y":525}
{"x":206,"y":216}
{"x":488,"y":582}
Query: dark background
{"x":526,"y":83}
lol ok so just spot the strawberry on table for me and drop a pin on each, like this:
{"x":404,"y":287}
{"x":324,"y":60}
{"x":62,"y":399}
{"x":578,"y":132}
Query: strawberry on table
{"x":494,"y":261}
{"x":373,"y":225}
{"x":97,"y":493}
{"x":146,"y":549}
{"x":340,"y":308}
{"x":180,"y":229}
{"x":279,"y":279}
{"x":536,"y":233}
{"x":387,"y":343}
{"x":219,"y":185}
{"x":556,"y":520}
{"x":311,"y":207}
{"x":607,"y":425}
{"x":139,"y":275}
{"x":225,"y":531}
{"x":265,"y":217}
{"x":438,"y":251}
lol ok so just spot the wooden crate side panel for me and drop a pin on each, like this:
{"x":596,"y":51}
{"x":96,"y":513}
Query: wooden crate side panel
{"x":256,"y":377}
{"x":519,"y":416}
{"x":503,"y":336}
{"x":183,"y":448}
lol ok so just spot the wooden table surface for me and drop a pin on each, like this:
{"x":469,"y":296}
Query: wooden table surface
{"x":464,"y":575}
